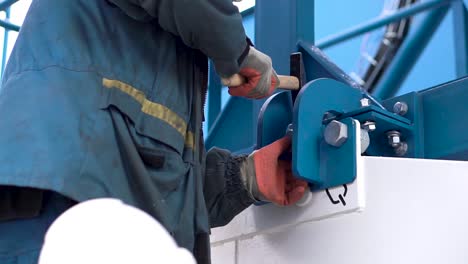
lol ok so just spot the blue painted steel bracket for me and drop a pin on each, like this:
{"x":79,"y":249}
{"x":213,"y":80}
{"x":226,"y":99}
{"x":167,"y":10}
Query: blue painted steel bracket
{"x":315,"y":99}
{"x":338,"y":166}
{"x":414,"y":115}
{"x":387,"y":121}
{"x":335,"y":166}
{"x":325,"y":166}
{"x":274,"y":118}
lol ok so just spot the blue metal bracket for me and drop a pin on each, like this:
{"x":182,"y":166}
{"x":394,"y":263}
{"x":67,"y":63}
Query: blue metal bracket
{"x":309,"y":110}
{"x":325,"y":166}
{"x":387,"y":121}
{"x":275,"y":116}
{"x":338,"y":166}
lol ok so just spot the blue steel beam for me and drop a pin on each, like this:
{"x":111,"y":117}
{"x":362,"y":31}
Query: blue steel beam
{"x":214,"y":99}
{"x":409,"y":53}
{"x":279,"y":25}
{"x":5,"y":43}
{"x":236,"y":126}
{"x":460,"y":23}
{"x":438,"y":115}
{"x":6,"y":3}
{"x":381,"y":21}
{"x":9,"y":26}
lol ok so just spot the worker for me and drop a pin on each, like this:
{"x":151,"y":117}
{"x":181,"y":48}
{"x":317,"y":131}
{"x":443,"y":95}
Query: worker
{"x":106,"y":230}
{"x":105,"y":99}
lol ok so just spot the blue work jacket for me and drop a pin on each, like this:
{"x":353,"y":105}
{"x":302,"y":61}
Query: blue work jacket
{"x":104,"y":99}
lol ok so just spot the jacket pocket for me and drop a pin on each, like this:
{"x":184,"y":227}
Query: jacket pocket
{"x":149,"y":119}
{"x":166,"y":168}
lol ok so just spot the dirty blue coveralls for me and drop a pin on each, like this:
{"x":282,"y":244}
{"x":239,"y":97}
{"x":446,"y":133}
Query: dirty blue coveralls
{"x":104,"y":99}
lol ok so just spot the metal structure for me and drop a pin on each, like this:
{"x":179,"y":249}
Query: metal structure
{"x":407,"y":126}
{"x":7,"y":27}
{"x":378,"y":194}
{"x":421,"y":124}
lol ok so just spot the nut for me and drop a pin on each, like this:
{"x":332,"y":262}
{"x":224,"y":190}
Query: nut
{"x":394,"y":139}
{"x":369,"y":126}
{"x":336,"y":133}
{"x":365,"y":102}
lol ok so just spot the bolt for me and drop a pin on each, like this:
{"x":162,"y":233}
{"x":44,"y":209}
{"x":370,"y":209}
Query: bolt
{"x":400,"y":108}
{"x":329,"y":116}
{"x":365,"y":102}
{"x":394,"y":138}
{"x":369,"y":126}
{"x":336,"y":133}
{"x":402,"y":149}
{"x":289,"y":130}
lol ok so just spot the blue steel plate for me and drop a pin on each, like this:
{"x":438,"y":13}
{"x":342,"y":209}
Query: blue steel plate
{"x":315,"y":99}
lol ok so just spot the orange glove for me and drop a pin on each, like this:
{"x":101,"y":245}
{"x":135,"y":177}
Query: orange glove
{"x":273,"y":179}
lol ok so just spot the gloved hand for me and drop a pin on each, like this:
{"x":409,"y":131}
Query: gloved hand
{"x":261,"y":79}
{"x":270,"y":179}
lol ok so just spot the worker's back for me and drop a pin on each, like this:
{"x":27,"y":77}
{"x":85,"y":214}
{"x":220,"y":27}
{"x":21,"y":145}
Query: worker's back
{"x":99,"y":104}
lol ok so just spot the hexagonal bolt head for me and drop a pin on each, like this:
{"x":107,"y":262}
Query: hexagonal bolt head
{"x":369,"y":126}
{"x":336,"y":133}
{"x":400,"y":108}
{"x":365,"y":102}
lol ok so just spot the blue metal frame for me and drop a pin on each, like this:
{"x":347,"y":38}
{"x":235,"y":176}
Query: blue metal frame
{"x":5,"y":43}
{"x":5,"y":6}
{"x":297,"y":25}
{"x":438,"y":115}
{"x":380,"y":22}
{"x":409,"y":53}
{"x":240,"y":116}
{"x":460,"y":26}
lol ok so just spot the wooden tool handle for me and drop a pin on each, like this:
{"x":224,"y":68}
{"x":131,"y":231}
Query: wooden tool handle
{"x":286,"y":82}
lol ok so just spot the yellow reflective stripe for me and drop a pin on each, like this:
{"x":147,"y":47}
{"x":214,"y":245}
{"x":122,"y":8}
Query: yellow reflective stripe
{"x":190,"y":140}
{"x":153,"y":109}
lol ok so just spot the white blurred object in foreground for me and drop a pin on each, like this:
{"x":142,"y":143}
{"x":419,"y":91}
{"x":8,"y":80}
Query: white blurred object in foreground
{"x":109,"y":231}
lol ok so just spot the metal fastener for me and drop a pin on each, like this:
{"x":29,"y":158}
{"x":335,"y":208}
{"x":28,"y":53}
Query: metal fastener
{"x":402,"y":149}
{"x":365,"y":140}
{"x":289,"y":130}
{"x":369,"y":126}
{"x":400,"y":108}
{"x":394,"y":138}
{"x":365,"y":102}
{"x":336,"y":133}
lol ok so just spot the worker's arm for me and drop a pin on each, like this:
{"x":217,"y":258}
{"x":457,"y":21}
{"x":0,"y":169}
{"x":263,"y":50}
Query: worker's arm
{"x":211,"y":26}
{"x":215,"y":28}
{"x":225,"y":194}
{"x":232,"y":183}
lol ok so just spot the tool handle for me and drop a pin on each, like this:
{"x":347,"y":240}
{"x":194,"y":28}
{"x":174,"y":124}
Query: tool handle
{"x":286,"y":82}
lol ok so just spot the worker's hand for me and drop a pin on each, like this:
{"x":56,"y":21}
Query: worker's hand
{"x":274,"y":181}
{"x":261,"y":79}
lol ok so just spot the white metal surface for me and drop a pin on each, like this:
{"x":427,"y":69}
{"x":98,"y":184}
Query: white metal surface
{"x":416,"y":211}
